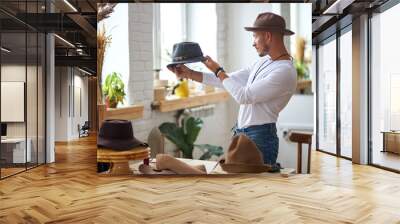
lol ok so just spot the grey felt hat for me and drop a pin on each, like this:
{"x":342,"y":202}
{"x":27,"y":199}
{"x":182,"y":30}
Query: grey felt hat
{"x":186,"y":52}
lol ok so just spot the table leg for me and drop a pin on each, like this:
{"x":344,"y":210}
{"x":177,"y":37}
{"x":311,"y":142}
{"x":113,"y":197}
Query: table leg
{"x":299,"y":159}
{"x":119,"y":168}
{"x":384,"y":143}
{"x":309,"y":158}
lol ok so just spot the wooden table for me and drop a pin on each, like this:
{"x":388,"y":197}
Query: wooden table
{"x":391,"y":141}
{"x":119,"y":159}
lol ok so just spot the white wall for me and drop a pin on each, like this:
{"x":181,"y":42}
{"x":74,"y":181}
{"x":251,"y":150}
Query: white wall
{"x":61,"y":103}
{"x":240,"y":51}
{"x":34,"y":124}
{"x":66,"y":121}
{"x":80,"y":84}
{"x":297,"y":115}
{"x":16,"y":73}
{"x":206,"y":36}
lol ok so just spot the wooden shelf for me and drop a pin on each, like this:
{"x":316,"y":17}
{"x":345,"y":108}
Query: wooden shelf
{"x":124,"y":113}
{"x":303,"y":84}
{"x":201,"y":99}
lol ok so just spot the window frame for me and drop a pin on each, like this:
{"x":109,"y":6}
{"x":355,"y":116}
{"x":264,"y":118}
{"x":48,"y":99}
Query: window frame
{"x":334,"y":36}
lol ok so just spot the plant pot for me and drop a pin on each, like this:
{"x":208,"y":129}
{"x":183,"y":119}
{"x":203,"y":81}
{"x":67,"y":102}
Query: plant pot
{"x":111,"y":103}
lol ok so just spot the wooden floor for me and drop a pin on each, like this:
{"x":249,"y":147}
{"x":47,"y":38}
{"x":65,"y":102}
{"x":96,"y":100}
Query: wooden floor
{"x":387,"y":159}
{"x":70,"y":191}
{"x":10,"y":171}
{"x":5,"y":172}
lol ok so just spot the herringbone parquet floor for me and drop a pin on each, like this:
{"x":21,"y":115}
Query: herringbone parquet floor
{"x":70,"y":191}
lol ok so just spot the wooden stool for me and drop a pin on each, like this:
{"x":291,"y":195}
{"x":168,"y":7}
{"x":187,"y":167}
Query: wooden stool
{"x":301,"y":138}
{"x":119,"y":160}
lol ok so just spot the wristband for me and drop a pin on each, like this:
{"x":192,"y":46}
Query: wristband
{"x":220,"y":69}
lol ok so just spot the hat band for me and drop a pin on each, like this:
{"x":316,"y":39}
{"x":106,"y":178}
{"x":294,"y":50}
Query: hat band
{"x":275,"y":28}
{"x":181,"y":58}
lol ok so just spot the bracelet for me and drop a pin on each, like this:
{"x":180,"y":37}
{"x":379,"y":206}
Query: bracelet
{"x":218,"y":70}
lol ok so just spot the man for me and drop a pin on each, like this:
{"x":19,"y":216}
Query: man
{"x":262,"y":89}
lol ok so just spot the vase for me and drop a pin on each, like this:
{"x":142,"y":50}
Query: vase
{"x":182,"y":91}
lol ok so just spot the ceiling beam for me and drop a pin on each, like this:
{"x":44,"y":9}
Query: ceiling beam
{"x":320,"y":22}
{"x":337,"y":7}
{"x":83,"y":23}
{"x":82,"y":61}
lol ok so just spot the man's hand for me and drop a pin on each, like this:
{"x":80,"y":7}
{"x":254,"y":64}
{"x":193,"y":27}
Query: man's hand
{"x":181,"y":71}
{"x":211,"y":64}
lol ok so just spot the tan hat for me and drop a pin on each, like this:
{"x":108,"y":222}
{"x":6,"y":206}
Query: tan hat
{"x":243,"y":156}
{"x":268,"y":21}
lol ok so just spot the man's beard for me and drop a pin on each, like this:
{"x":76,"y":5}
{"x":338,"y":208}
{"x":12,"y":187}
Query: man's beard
{"x":264,"y":52}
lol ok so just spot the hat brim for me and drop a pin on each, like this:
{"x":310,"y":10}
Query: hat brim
{"x":244,"y":168}
{"x":150,"y":170}
{"x":285,"y":32}
{"x":119,"y":144}
{"x":192,"y":60}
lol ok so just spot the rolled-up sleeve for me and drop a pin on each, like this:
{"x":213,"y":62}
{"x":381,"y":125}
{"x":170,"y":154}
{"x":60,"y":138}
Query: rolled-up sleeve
{"x":212,"y":80}
{"x":241,"y":76}
{"x":277,"y":83}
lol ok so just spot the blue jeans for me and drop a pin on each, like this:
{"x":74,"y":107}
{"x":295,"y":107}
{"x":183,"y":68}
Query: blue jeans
{"x":265,"y":138}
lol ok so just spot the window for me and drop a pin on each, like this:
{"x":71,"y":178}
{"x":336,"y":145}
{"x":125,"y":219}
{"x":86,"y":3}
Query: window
{"x":385,"y":88}
{"x":172,"y":24}
{"x":183,"y":22}
{"x":346,"y":93}
{"x":327,"y":96}
{"x":22,"y":76}
{"x":298,"y":14}
{"x":394,"y":102}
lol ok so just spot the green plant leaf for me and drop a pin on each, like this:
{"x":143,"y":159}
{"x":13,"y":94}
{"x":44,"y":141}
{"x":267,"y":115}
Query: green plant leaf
{"x":193,"y":127}
{"x":209,"y":151}
{"x":183,"y":121}
{"x":113,"y":87}
{"x":302,"y":70}
{"x":176,"y":135}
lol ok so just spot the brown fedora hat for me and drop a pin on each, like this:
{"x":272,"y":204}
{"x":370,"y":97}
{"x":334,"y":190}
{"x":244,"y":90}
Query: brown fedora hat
{"x":117,"y":135}
{"x":243,"y":156}
{"x":268,"y":21}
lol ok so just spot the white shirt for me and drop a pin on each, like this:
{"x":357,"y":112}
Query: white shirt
{"x":262,"y":100}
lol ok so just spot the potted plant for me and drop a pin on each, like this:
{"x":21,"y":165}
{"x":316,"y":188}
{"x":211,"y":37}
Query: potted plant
{"x":104,"y":11}
{"x":185,"y":135}
{"x":302,"y":70}
{"x":113,"y":89}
